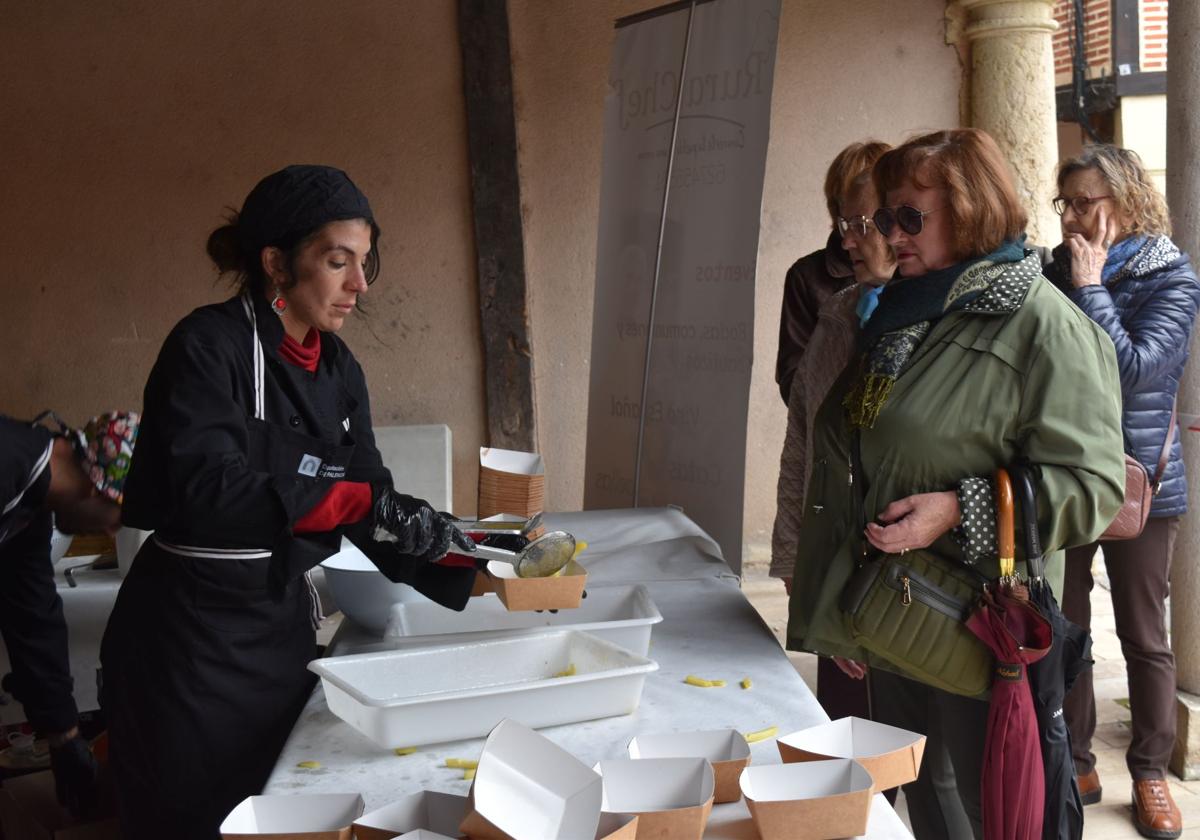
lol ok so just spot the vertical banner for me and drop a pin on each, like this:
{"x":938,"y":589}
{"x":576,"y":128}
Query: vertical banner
{"x":673,"y":323}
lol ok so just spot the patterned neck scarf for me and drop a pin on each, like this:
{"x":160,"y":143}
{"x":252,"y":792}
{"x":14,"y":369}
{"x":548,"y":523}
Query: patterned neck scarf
{"x":908,"y":308}
{"x":1119,"y":255}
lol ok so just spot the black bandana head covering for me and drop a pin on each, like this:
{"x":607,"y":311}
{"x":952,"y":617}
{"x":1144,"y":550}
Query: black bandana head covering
{"x":297,"y":200}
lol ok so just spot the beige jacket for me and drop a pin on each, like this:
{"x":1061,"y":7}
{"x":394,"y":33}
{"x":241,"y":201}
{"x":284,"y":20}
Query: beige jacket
{"x":829,"y":351}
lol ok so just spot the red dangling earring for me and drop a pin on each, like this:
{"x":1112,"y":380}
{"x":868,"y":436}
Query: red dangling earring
{"x":278,"y":304}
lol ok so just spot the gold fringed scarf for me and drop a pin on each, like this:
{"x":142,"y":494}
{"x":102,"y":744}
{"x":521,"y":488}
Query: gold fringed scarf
{"x":905,"y":316}
{"x":878,"y":370}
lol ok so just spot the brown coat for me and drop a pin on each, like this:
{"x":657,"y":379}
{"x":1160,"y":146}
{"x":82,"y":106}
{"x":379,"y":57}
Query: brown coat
{"x":830,"y":349}
{"x":809,"y":282}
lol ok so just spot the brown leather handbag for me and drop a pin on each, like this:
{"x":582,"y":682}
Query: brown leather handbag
{"x":1139,"y":492}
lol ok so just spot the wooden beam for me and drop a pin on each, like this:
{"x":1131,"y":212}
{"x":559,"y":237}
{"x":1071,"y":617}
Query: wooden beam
{"x":499,"y":240}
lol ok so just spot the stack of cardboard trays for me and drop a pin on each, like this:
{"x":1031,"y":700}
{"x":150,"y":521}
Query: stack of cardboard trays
{"x":510,"y":482}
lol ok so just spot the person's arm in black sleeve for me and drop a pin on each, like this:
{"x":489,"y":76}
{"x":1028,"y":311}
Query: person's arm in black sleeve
{"x":797,"y":319}
{"x":206,"y":438}
{"x":447,"y":585}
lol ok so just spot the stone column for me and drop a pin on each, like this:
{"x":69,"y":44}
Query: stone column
{"x":1012,"y":95}
{"x":1183,"y":188}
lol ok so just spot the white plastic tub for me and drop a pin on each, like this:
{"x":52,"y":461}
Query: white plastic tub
{"x":623,"y":615}
{"x":428,"y":695}
{"x":361,"y":591}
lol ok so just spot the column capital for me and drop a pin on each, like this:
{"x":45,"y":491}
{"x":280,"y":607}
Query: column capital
{"x":994,"y":18}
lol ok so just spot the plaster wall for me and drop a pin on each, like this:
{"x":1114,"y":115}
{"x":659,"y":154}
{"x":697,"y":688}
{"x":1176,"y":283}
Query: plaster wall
{"x":844,"y":72}
{"x":128,"y":126}
{"x":1142,"y":126}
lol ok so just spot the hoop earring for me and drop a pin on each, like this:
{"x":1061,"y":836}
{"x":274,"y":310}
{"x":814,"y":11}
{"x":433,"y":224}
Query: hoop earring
{"x":278,"y":303}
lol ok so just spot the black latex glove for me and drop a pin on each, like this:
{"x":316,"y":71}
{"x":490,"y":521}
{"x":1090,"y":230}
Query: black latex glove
{"x":447,"y":533}
{"x":414,"y":527}
{"x":75,"y":771}
{"x":403,"y":520}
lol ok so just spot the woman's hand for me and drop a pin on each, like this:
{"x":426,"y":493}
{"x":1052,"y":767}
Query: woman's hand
{"x":914,"y":521}
{"x":853,"y":670}
{"x":1088,"y":255}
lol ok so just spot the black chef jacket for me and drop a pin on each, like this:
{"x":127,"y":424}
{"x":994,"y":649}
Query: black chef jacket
{"x":191,"y":480}
{"x":31,"y":612}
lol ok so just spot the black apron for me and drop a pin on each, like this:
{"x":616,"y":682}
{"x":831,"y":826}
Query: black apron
{"x":205,"y":656}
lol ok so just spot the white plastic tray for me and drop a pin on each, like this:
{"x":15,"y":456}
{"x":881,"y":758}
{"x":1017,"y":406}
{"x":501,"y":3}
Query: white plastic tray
{"x":427,"y":695}
{"x":623,"y":615}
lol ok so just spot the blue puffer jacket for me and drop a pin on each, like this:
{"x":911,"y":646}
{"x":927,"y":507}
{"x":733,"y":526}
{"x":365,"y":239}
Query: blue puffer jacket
{"x":1147,"y":309}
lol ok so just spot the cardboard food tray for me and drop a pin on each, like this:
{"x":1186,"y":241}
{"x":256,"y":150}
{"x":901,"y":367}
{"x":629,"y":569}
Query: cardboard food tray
{"x":891,"y":755}
{"x":451,"y":692}
{"x":564,"y":591}
{"x":725,"y":749}
{"x":623,"y":615}
{"x":528,"y":786}
{"x":510,"y":482}
{"x":439,"y":812}
{"x":314,"y":816}
{"x":672,"y":797}
{"x":819,"y":800}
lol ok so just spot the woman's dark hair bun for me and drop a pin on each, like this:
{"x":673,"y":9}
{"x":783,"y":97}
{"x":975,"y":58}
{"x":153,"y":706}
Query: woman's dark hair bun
{"x":224,"y":248}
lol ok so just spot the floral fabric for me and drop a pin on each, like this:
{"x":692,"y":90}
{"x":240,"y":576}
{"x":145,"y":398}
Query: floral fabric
{"x":108,"y":441}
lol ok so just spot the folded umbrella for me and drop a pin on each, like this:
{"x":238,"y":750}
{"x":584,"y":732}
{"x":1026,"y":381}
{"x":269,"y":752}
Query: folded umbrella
{"x":1052,"y":676}
{"x":1013,"y":786}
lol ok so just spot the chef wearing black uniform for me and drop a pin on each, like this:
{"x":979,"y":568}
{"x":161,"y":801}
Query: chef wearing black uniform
{"x":255,"y":455}
{"x":40,"y":474}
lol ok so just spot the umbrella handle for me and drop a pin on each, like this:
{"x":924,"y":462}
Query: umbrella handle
{"x":1026,"y":490}
{"x":1005,"y":536}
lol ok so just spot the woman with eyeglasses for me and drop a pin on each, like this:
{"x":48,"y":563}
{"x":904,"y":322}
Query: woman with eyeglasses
{"x":970,"y":361}
{"x":851,"y":199}
{"x":255,"y":456}
{"x":1117,"y":263}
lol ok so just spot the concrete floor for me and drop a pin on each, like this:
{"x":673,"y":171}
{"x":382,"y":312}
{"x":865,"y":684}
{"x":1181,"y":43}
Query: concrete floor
{"x":1110,"y":819}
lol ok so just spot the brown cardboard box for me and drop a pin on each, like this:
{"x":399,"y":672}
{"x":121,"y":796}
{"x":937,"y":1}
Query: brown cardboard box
{"x":817,"y":800}
{"x":510,"y":482}
{"x":30,"y":811}
{"x":526,"y":784}
{"x":891,"y":755}
{"x":672,"y":797}
{"x":563,"y":591}
{"x":311,"y":816}
{"x":725,"y":749}
{"x":437,"y":812}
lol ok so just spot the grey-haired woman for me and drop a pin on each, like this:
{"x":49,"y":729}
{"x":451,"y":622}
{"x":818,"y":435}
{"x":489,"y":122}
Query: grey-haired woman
{"x":1118,"y":264}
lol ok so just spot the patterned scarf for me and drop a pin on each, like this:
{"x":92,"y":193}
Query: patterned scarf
{"x":908,"y":308}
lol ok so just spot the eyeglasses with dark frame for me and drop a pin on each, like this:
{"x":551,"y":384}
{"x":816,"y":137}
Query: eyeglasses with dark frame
{"x":1081,"y":204}
{"x":910,"y":219}
{"x":858,"y":224}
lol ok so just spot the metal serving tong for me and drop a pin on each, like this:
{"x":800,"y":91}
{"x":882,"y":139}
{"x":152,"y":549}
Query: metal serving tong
{"x":544,"y":557}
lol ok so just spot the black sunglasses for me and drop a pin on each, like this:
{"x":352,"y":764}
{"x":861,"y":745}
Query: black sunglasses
{"x":910,"y":219}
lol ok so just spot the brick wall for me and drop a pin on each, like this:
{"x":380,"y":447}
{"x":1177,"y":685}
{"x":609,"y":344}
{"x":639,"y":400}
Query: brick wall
{"x":1153,"y":45}
{"x":1097,"y":43}
{"x":1152,"y":15}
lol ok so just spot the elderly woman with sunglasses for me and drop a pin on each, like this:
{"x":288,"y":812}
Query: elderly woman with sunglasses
{"x":970,"y":361}
{"x":1118,"y":264}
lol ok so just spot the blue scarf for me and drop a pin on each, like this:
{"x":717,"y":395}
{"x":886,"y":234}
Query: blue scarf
{"x":1119,"y":254}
